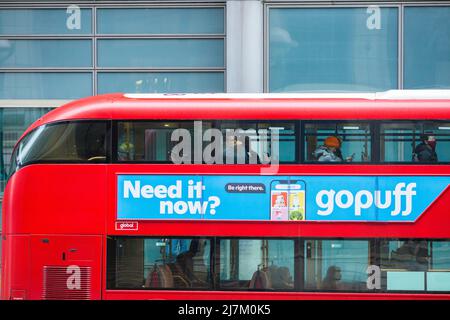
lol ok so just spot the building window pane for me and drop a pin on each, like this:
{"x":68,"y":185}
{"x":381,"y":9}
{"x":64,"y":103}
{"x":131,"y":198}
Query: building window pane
{"x":138,"y":263}
{"x":161,"y":53}
{"x":44,"y":22}
{"x":337,"y":142}
{"x":336,"y":265}
{"x":159,"y":82}
{"x":415,"y":142}
{"x":257,"y":264}
{"x":45,"y":53}
{"x":45,"y":85}
{"x":14,"y":121}
{"x":338,"y":49}
{"x":427,"y":47}
{"x":161,"y":21}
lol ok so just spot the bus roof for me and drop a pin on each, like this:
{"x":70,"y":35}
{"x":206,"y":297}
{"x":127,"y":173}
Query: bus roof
{"x":389,"y":105}
{"x":385,"y":95}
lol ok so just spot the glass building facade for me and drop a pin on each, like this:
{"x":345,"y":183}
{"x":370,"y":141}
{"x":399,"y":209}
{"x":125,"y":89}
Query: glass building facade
{"x":57,"y":51}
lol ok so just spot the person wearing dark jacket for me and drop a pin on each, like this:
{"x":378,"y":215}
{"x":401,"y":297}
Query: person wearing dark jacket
{"x":425,"y":151}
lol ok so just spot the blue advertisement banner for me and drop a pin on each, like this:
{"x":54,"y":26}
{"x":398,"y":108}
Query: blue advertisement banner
{"x":277,"y":198}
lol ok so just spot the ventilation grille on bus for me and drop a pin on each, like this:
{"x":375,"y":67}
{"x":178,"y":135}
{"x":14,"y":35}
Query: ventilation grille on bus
{"x":62,"y":283}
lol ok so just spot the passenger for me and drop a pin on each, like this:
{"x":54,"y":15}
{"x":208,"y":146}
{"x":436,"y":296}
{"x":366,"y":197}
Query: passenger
{"x":330,"y":151}
{"x":125,"y":151}
{"x":189,"y":263}
{"x":281,"y":278}
{"x":233,"y":144}
{"x":425,"y":151}
{"x":331,"y":280}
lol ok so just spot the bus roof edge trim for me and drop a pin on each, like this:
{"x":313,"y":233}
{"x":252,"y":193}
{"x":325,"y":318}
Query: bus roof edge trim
{"x":386,"y":95}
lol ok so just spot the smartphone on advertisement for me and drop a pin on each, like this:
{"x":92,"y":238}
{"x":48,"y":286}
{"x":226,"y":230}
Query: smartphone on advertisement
{"x":287,"y":200}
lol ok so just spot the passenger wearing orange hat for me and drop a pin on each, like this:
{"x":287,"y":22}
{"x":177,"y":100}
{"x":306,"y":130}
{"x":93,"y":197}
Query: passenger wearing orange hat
{"x":332,"y":142}
{"x":330,"y":151}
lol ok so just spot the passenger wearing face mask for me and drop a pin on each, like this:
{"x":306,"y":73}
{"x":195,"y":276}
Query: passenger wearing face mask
{"x":425,"y":151}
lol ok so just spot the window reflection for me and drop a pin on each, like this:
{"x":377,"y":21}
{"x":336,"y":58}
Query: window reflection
{"x":331,"y":49}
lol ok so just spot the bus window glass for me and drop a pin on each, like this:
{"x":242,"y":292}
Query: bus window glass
{"x":177,"y":263}
{"x":260,"y":139}
{"x":410,"y":255}
{"x":63,"y":142}
{"x":257,"y":264}
{"x":415,"y":265}
{"x":440,"y":258}
{"x":336,"y":265}
{"x":415,"y":142}
{"x":152,"y":141}
{"x":337,"y":142}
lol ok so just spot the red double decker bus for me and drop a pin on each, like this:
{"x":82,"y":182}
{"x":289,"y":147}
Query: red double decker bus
{"x":148,"y":197}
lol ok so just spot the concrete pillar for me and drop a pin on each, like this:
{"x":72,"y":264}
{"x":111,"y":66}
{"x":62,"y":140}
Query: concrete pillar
{"x":245,"y":47}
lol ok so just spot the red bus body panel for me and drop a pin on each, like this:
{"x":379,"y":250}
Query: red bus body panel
{"x":61,"y":214}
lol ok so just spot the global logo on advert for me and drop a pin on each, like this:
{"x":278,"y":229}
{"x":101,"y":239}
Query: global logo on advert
{"x":127,"y":225}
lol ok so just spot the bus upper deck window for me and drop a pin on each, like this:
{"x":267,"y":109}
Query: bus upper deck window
{"x":149,"y":141}
{"x":418,"y":142}
{"x":75,"y":141}
{"x":337,"y":142}
{"x":259,"y":138}
{"x":154,"y":141}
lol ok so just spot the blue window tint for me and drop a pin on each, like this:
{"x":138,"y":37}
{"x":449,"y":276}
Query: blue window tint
{"x":45,"y":21}
{"x":144,"y":82}
{"x":427,"y":47}
{"x":405,"y":281}
{"x":161,"y":53}
{"x":45,"y":53}
{"x":339,"y":49}
{"x":438,"y":281}
{"x":43,"y":85}
{"x":161,"y":21}
{"x":440,"y":259}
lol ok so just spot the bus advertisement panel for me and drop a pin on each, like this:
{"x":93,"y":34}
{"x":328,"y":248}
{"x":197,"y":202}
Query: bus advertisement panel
{"x":277,"y":198}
